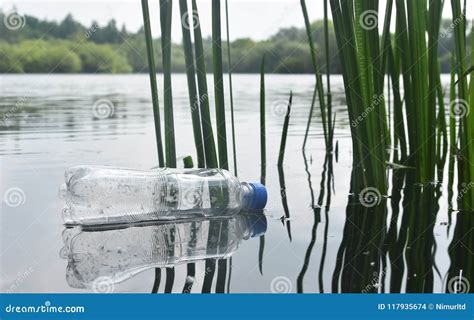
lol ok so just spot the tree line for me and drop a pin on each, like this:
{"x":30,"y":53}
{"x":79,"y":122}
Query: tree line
{"x":41,"y":46}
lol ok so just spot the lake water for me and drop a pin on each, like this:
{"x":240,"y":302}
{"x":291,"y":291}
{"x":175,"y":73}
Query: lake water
{"x":50,"y":125}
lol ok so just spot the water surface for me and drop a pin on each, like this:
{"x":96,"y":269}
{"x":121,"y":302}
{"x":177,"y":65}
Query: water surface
{"x":50,"y":125}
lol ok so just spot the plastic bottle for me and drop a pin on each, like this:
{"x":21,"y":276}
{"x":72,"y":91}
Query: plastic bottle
{"x":99,"y":256}
{"x":102,"y":195}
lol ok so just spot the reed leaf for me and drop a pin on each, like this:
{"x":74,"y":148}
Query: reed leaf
{"x":463,"y":103}
{"x":219,"y":84}
{"x":319,"y":82}
{"x":153,"y":84}
{"x":165,"y":18}
{"x":285,"y":132}
{"x":361,"y":65}
{"x":191,"y":78}
{"x":263,"y":148}
{"x":328,"y":73}
{"x":229,"y":63}
{"x":207,"y":131}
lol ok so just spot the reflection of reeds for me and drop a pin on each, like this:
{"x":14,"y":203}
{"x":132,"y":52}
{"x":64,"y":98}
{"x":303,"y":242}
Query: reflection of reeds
{"x":190,"y":267}
{"x":324,"y":186}
{"x":284,"y":201}
{"x":263,"y":157}
{"x":460,"y":277}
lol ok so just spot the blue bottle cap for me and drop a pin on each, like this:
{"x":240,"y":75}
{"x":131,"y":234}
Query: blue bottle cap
{"x":260,"y":196}
{"x":257,"y":223}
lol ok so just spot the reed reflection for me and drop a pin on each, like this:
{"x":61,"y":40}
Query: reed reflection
{"x":402,"y":257}
{"x":121,"y":251}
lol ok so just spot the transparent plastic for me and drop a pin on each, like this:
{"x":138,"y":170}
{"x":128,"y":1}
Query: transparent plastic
{"x":116,"y":253}
{"x":104,"y":195}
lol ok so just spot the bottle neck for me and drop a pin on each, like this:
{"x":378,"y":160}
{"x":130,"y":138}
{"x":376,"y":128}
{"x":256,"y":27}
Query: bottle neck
{"x":247,"y":195}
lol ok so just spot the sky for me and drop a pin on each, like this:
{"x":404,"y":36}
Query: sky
{"x":257,"y":19}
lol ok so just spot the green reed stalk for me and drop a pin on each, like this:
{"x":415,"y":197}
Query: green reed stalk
{"x":328,"y":73}
{"x":263,"y":164}
{"x":418,"y":59}
{"x":165,"y":19}
{"x":153,"y":84}
{"x":442,"y":137}
{"x":207,"y":131}
{"x":319,"y":82}
{"x":285,"y":132}
{"x":435,"y":12}
{"x":464,"y":103}
{"x":359,"y":50}
{"x":398,"y":121}
{"x":219,"y":84}
{"x":263,"y":147}
{"x":191,"y":77}
{"x":234,"y":151}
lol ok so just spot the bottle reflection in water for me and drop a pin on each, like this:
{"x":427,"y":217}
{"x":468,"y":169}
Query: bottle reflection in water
{"x":118,"y":253}
{"x":104,"y":195}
